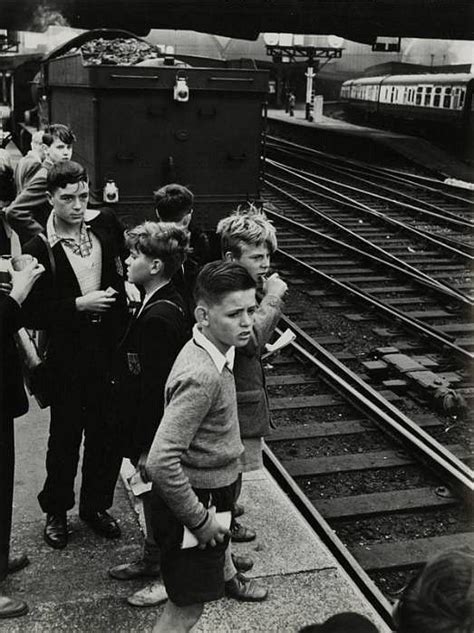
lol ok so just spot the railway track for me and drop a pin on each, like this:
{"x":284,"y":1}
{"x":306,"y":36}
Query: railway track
{"x":371,"y":403}
{"x":429,"y":209}
{"x":380,"y":491}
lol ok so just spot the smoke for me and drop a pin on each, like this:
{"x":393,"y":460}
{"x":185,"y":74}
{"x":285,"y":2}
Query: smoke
{"x":45,"y":16}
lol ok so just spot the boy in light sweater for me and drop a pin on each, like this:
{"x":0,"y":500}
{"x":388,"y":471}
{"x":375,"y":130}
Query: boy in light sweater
{"x":194,"y":461}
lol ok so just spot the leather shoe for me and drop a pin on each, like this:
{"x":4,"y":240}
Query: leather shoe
{"x":137,"y":569}
{"x":245,"y":589}
{"x":15,"y":563}
{"x":238,"y":510}
{"x":12,"y":608}
{"x":150,"y":596}
{"x":241,"y":534}
{"x":55,"y":531}
{"x":242,"y":563}
{"x":102,"y":523}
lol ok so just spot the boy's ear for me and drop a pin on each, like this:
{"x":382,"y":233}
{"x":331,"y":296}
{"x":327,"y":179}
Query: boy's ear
{"x":228,"y":256}
{"x":201,"y":315}
{"x":49,"y":197}
{"x":156,"y":267}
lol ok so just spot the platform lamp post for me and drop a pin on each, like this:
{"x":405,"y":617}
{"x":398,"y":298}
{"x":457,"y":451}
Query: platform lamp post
{"x":310,"y":74}
{"x":282,"y":52}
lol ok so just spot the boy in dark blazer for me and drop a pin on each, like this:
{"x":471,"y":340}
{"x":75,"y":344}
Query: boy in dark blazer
{"x":81,"y":302}
{"x":144,"y":358}
{"x":13,"y":403}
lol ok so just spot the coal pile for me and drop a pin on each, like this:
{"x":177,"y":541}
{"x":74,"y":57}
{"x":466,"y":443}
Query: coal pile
{"x":117,"y":52}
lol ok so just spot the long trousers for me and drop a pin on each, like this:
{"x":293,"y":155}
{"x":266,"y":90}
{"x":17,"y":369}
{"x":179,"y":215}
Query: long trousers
{"x":7,"y":467}
{"x":79,"y":410}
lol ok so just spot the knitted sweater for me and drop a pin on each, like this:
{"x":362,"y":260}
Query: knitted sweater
{"x":197,"y":443}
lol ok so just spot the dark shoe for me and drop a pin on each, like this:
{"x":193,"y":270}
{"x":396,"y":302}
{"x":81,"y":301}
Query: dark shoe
{"x":102,"y":523}
{"x":12,"y":608}
{"x":55,"y":531}
{"x":15,"y":563}
{"x":138,"y":569}
{"x":245,"y":589}
{"x":238,"y":510}
{"x":241,"y":534}
{"x":242,"y":563}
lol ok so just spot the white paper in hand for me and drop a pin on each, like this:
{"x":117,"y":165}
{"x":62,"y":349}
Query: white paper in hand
{"x":282,"y":341}
{"x":223,"y":518}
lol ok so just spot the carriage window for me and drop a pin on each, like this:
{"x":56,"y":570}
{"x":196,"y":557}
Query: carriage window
{"x":392,"y":95}
{"x":461,"y":97}
{"x":429,"y":90}
{"x":419,"y":95}
{"x":437,"y":97}
{"x":447,"y":98}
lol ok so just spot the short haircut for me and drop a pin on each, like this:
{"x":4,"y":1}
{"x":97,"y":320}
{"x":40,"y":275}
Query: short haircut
{"x":67,"y":172}
{"x":250,"y":227}
{"x":347,"y":622}
{"x":58,"y":131}
{"x":161,"y":240}
{"x":440,"y":599}
{"x":218,"y":279}
{"x":173,"y":202}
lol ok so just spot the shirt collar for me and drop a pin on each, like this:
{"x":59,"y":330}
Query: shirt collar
{"x":51,"y":234}
{"x":220,"y":360}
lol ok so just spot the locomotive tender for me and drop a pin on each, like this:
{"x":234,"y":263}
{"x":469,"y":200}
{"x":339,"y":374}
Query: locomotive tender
{"x":146,"y":124}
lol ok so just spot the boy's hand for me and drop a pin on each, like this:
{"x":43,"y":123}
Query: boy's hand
{"x":95,"y":301}
{"x":211,"y":532}
{"x":24,"y":280}
{"x":132,"y":292}
{"x":274,"y":285}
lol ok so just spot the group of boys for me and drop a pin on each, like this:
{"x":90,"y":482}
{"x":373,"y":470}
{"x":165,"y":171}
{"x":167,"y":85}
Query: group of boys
{"x":134,"y":387}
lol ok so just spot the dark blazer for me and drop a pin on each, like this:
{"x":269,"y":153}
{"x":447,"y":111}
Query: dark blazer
{"x":52,"y":303}
{"x":142,"y":363}
{"x":13,"y":401}
{"x":184,"y":281}
{"x":28,"y":212}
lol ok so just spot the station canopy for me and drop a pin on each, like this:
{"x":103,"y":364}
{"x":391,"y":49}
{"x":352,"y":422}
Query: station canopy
{"x":359,"y":20}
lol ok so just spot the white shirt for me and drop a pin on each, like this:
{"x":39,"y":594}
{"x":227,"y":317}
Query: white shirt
{"x":220,"y":360}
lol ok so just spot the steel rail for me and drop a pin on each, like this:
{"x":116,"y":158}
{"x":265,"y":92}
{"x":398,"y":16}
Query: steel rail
{"x":389,"y":261}
{"x":321,"y":179}
{"x":445,"y":215}
{"x":340,"y":198}
{"x":328,"y":537}
{"x":414,"y":324}
{"x":398,"y":175}
{"x":384,"y":414}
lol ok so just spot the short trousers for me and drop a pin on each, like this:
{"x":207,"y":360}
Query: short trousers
{"x":193,"y":575}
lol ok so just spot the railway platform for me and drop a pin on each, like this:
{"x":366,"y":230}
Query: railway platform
{"x":70,"y":590}
{"x":357,"y":141}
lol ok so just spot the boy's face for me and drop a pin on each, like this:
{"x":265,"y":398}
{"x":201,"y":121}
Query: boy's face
{"x":59,"y":151}
{"x":140,"y":267}
{"x":70,"y":203}
{"x":230,"y":321}
{"x":255,"y":258}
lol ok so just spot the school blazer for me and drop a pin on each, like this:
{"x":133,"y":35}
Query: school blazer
{"x":52,"y":302}
{"x":142,"y":363}
{"x":13,"y":402}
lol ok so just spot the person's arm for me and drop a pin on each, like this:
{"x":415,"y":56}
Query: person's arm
{"x":159,"y":344}
{"x":189,"y":404}
{"x":19,"y":213}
